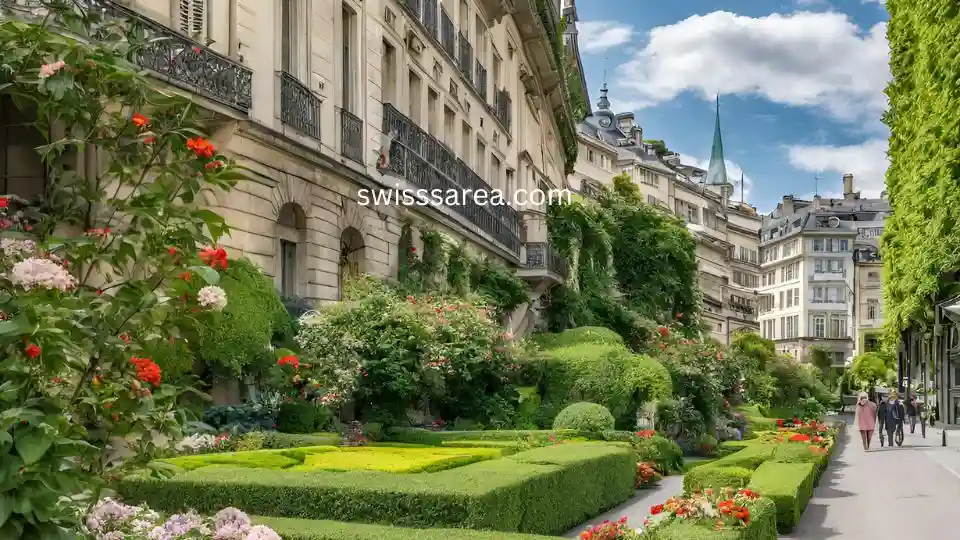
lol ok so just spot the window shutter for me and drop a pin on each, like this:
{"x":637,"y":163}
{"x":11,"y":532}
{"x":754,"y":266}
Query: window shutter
{"x":193,"y":17}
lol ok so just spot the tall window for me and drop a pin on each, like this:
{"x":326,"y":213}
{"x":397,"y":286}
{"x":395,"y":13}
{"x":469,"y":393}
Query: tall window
{"x":818,"y":244}
{"x":495,"y":68}
{"x":414,"y":108}
{"x":388,"y":73}
{"x":466,"y":142}
{"x":433,"y":114}
{"x":838,"y":326}
{"x":22,"y":172}
{"x":288,"y":269}
{"x":844,"y":244}
{"x":289,"y":36}
{"x":449,"y":126}
{"x":481,"y":160}
{"x":796,"y":296}
{"x":349,"y":61}
{"x":819,"y":326}
{"x":872,"y":309}
{"x":193,"y":18}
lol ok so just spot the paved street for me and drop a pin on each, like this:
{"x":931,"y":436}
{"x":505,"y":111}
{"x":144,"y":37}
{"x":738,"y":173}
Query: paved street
{"x":907,"y":492}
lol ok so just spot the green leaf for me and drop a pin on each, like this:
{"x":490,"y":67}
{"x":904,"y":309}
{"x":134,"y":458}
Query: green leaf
{"x":6,"y":508}
{"x":5,"y":437}
{"x":207,"y":274}
{"x":280,"y":353}
{"x":33,"y":445}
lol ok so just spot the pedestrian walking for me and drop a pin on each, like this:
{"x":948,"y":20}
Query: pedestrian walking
{"x":913,"y":412}
{"x":866,"y":419}
{"x":895,"y":414}
{"x":881,"y":418}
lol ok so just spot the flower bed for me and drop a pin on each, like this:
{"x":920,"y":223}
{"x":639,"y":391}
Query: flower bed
{"x":546,"y":491}
{"x":113,"y":520}
{"x":729,"y":514}
{"x":307,"y":529}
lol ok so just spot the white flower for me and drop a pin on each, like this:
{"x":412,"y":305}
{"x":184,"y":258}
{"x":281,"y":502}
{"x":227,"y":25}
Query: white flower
{"x":17,"y":248}
{"x":262,"y":532}
{"x":35,"y":272}
{"x":212,"y":297}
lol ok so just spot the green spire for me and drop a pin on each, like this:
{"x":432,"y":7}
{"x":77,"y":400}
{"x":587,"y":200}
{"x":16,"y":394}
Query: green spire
{"x":717,"y":170}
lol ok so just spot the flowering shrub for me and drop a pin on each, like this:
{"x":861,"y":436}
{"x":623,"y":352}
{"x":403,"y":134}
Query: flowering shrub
{"x":725,"y":508}
{"x":113,"y":520}
{"x":610,"y":530}
{"x":647,"y":475}
{"x":353,"y":436}
{"x":202,"y":443}
{"x":82,"y":400}
{"x":387,"y":352}
{"x":646,"y":433}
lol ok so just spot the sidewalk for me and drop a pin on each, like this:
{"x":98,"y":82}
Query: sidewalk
{"x":911,"y":491}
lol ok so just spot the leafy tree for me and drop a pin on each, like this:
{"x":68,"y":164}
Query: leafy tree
{"x":870,"y":369}
{"x":659,"y":147}
{"x":81,"y":313}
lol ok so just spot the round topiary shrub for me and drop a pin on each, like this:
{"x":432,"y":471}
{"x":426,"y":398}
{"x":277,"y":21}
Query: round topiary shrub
{"x":584,"y":417}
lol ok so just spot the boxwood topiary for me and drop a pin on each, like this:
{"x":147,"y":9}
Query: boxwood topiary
{"x":584,"y":416}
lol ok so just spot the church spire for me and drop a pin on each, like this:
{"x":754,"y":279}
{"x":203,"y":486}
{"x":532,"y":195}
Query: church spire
{"x":717,"y":170}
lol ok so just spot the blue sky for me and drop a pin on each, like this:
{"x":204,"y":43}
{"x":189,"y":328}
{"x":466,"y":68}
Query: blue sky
{"x":800,"y":81}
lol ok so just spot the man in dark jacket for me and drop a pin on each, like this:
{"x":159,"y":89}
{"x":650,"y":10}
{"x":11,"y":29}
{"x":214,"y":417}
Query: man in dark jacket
{"x":881,"y":418}
{"x":912,"y":407}
{"x":895,"y":414}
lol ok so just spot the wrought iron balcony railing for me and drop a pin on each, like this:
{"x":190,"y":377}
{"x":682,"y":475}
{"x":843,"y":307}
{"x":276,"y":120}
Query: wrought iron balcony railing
{"x":299,"y":106}
{"x":542,"y":256}
{"x":183,"y":61}
{"x":351,"y":136}
{"x":448,"y":34}
{"x":428,"y":164}
{"x":502,"y":105}
{"x":480,"y":81}
{"x":465,"y":57}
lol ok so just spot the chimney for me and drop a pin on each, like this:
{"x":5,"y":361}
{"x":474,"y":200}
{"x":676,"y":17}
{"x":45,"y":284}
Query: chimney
{"x":786,"y":207}
{"x":848,"y":186}
{"x":638,"y":135}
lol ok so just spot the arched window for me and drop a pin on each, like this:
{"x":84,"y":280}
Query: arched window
{"x":22,"y":172}
{"x":351,"y":254}
{"x":291,"y":250}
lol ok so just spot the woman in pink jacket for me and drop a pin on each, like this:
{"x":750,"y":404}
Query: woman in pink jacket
{"x":866,"y":419}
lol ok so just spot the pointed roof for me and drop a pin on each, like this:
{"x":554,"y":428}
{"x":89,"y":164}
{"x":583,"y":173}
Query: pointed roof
{"x":603,"y":103}
{"x":717,"y":170}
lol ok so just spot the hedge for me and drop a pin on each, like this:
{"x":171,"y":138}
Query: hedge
{"x":437,"y":438}
{"x":276,"y":439}
{"x":762,"y":526}
{"x":789,"y":486}
{"x":700,"y":478}
{"x":576,"y":336}
{"x":546,"y":491}
{"x":306,"y":529}
{"x":750,"y":457}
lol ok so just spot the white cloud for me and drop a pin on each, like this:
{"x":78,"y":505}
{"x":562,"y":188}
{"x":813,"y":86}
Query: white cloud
{"x":819,"y":60}
{"x":866,"y":161}
{"x":598,"y":36}
{"x":734,"y":173}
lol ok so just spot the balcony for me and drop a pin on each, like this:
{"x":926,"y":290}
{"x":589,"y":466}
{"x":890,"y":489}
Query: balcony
{"x":496,"y":9}
{"x":428,"y":164}
{"x":465,"y":57}
{"x":430,"y":18}
{"x":502,"y":107}
{"x":351,"y":136}
{"x":544,"y":261}
{"x":827,"y":276}
{"x":299,"y":106}
{"x":448,"y":34}
{"x":480,"y":81}
{"x":184,"y":62}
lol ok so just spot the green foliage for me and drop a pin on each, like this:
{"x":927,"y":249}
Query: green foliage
{"x":704,"y":477}
{"x":659,"y":147}
{"x":303,"y":417}
{"x":789,"y":486}
{"x":546,"y":491}
{"x":666,"y":454}
{"x":870,"y":369}
{"x":762,"y":526}
{"x":240,"y":335}
{"x":584,"y":417}
{"x":605,"y":374}
{"x":306,"y":529}
{"x":918,"y":244}
{"x":576,"y":336}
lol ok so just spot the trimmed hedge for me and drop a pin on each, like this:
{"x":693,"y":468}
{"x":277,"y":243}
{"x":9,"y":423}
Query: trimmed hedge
{"x":546,"y":491}
{"x":700,"y":478}
{"x":276,"y":439}
{"x":762,"y":526}
{"x":789,"y":486}
{"x":584,"y":416}
{"x":750,"y":457}
{"x":576,"y":336}
{"x":306,"y":529}
{"x":437,"y":438}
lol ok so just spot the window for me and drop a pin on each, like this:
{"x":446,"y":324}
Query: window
{"x":819,"y":326}
{"x":873,"y":276}
{"x":480,"y":33}
{"x":873,"y":307}
{"x":414,"y":103}
{"x":388,"y":73}
{"x":481,"y":160}
{"x":837,"y":326}
{"x":193,"y":19}
{"x":710,"y":218}
{"x":844,"y":244}
{"x":781,"y":304}
{"x":511,"y":182}
{"x":651,"y":200}
{"x":433,"y":120}
{"x":744,"y":279}
{"x":349,"y":62}
{"x":289,"y":37}
{"x":590,"y":156}
{"x":22,"y":172}
{"x":495,"y":70}
{"x":783,"y":327}
{"x":818,"y":244}
{"x":789,"y":248}
{"x":647,"y":177}
{"x":466,"y":141}
{"x":689,"y":212}
{"x":796,"y":296}
{"x":830,"y":244}
{"x":790,"y":326}
{"x":464,"y":18}
{"x":719,"y":327}
{"x":288,"y":269}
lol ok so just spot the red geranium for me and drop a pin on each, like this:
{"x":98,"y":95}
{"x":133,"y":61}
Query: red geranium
{"x":290,"y":360}
{"x":799,"y":437}
{"x":664,"y":331}
{"x":214,"y":257}
{"x":33,"y":350}
{"x":147,"y":370}
{"x":139,"y":120}
{"x":646,"y":433}
{"x":201,"y":147}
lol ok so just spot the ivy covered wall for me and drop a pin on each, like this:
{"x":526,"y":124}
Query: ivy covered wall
{"x":921,"y":240}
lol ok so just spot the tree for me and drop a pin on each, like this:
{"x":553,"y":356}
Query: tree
{"x":869,"y":370}
{"x":79,"y":313}
{"x":659,"y":147}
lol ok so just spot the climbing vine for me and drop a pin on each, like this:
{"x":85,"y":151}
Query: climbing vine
{"x":919,"y":245}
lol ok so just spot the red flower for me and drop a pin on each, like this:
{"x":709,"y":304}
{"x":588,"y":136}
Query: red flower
{"x":664,"y":331}
{"x":149,"y":140}
{"x":139,"y":120}
{"x":201,"y":147}
{"x":413,"y":249}
{"x":215,"y":164}
{"x":125,"y":338}
{"x":33,"y":350}
{"x":172,"y":250}
{"x":184,"y":276}
{"x":214,"y":257}
{"x":289,"y":360}
{"x":779,"y":422}
{"x":656,"y":509}
{"x":4,"y":202}
{"x":196,"y":50}
{"x":799,"y":437}
{"x":147,"y":370}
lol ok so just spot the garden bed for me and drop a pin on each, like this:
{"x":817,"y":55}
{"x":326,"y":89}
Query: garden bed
{"x":545,"y":491}
{"x":306,"y":529}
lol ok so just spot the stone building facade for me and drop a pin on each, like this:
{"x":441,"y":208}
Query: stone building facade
{"x":330,"y":101}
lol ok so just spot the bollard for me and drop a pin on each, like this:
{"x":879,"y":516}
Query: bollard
{"x":944,"y":437}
